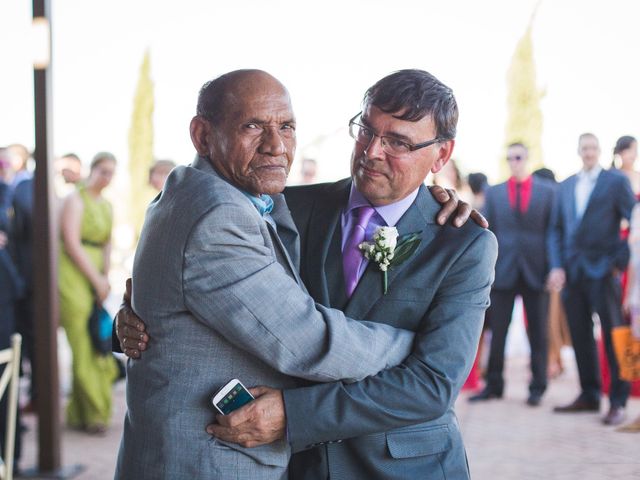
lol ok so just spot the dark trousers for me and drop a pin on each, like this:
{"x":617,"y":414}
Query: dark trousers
{"x":24,"y":326}
{"x":535,"y":305}
{"x":602,"y":296}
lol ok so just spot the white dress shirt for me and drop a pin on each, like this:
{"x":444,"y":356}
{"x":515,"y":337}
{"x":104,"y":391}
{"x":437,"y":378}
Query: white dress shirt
{"x":584,"y":187}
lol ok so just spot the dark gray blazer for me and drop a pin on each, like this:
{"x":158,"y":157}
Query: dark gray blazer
{"x":591,"y":245}
{"x":522,"y":240}
{"x":399,"y":423}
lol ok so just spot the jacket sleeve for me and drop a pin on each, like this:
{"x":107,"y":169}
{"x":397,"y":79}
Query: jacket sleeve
{"x":625,"y":201}
{"x":233,"y":284}
{"x":555,"y":233}
{"x":426,"y":384}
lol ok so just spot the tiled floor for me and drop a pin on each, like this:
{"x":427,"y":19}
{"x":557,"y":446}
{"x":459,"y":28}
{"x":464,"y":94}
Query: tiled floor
{"x":505,"y":439}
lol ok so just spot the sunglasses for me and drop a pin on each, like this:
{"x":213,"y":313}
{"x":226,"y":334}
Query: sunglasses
{"x":516,"y":158}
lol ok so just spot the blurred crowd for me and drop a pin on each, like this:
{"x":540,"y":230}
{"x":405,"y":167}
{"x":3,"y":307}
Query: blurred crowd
{"x":570,"y":251}
{"x":85,"y":222}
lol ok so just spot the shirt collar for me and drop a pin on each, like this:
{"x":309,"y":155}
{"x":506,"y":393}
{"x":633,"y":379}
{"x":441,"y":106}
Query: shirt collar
{"x":526,"y":181}
{"x":391,"y":213}
{"x":263,"y":203}
{"x":590,"y":174}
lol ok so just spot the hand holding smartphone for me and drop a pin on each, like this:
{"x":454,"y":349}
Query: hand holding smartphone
{"x":231,"y":397}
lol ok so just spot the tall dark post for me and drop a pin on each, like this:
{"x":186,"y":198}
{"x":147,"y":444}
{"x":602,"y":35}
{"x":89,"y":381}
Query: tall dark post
{"x":45,"y":256}
{"x":45,"y":262}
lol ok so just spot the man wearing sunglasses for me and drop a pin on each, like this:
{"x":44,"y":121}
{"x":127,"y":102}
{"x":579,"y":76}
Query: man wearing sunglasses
{"x":519,"y":213}
{"x":399,"y":423}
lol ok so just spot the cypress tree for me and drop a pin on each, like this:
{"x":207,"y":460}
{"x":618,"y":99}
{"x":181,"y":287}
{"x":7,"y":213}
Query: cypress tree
{"x":524,"y":117}
{"x":141,"y":146}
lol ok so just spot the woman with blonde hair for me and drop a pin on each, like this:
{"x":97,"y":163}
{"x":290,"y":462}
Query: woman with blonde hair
{"x":86,"y":224}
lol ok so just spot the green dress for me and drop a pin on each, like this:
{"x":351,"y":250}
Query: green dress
{"x":93,"y":374}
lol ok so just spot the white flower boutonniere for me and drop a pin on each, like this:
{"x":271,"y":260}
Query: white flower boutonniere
{"x":388,"y":250}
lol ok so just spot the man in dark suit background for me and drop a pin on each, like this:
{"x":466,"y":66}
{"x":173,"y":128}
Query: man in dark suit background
{"x":23,"y":246}
{"x":518,"y":212}
{"x":587,"y":253}
{"x":11,"y":290}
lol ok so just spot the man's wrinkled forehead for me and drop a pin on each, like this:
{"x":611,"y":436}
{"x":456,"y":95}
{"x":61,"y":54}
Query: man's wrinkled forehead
{"x":264,"y":106}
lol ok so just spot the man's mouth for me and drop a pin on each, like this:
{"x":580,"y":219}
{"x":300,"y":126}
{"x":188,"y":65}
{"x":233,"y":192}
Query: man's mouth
{"x":369,"y":171}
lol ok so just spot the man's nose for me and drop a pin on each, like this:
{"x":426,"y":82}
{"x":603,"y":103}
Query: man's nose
{"x":374,"y":149}
{"x":272,"y":143}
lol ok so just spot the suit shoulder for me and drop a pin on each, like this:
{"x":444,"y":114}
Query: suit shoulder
{"x":616,"y":175}
{"x":544,"y":185}
{"x":495,"y":188}
{"x":567,"y":181}
{"x":495,"y":192}
{"x":470,"y":231}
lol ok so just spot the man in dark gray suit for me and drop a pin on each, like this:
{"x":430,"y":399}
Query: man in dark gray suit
{"x":587,"y":253}
{"x":519,"y":211}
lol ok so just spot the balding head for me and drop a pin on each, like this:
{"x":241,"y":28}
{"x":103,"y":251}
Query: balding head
{"x":223,"y":95}
{"x":245,"y":127}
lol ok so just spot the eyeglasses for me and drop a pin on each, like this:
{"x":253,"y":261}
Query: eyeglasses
{"x":516,"y":158}
{"x":390,"y":145}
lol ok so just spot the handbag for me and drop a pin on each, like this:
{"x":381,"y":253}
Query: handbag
{"x":100,"y":327}
{"x":627,"y":349}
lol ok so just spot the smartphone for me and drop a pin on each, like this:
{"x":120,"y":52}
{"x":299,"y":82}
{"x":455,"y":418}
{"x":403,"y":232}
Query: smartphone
{"x":231,"y":397}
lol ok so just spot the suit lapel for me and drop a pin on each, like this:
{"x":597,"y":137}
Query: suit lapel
{"x":503,"y":199}
{"x":599,"y":190}
{"x":323,"y":258}
{"x":420,"y":216}
{"x":287,"y":231}
{"x":570,"y":201}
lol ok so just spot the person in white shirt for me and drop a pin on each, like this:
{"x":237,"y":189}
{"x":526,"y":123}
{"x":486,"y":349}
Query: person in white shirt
{"x":587,"y":254}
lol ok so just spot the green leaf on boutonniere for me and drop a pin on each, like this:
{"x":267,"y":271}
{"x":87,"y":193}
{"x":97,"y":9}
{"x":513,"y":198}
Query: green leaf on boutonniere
{"x":388,"y":250}
{"x":407,"y":245}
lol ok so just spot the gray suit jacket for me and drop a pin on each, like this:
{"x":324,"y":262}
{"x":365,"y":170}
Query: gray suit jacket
{"x":218,"y":305}
{"x":399,"y":423}
{"x":522,"y":239}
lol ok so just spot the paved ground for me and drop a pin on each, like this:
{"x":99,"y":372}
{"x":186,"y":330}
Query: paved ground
{"x":506,"y":439}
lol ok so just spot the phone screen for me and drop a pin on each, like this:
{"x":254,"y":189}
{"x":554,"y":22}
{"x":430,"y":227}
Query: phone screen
{"x":234,"y":400}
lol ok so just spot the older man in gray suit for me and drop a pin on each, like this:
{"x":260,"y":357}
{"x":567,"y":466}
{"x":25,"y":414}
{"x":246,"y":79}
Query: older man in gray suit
{"x":400,"y":422}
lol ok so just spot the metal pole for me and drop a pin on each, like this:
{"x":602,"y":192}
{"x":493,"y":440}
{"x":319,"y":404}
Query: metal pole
{"x":45,"y":271}
{"x":45,"y":274}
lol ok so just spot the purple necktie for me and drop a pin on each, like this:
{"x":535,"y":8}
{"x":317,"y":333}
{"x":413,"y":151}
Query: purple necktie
{"x":351,"y":255}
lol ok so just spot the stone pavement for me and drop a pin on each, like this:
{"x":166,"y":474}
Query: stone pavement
{"x":505,"y":439}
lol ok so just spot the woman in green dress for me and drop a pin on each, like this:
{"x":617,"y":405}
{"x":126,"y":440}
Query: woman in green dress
{"x":86,"y":223}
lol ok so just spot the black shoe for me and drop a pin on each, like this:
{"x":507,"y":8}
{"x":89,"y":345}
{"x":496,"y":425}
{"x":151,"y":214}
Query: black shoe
{"x":485,"y":394}
{"x":534,"y":399}
{"x":578,"y":405}
{"x":615,"y":416}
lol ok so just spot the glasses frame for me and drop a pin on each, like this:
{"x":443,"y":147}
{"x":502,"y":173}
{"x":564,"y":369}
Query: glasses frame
{"x":412,"y":146}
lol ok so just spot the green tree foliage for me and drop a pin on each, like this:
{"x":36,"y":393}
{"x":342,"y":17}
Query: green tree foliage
{"x":141,"y":145}
{"x":524,"y":117}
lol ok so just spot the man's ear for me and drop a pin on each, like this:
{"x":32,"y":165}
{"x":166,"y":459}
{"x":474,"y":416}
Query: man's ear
{"x":200,"y":128}
{"x":444,"y":154}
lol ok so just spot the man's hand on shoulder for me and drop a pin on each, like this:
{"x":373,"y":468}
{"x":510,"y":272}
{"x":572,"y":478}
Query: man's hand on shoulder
{"x":451,"y":204}
{"x":130,"y":329}
{"x":257,"y":423}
